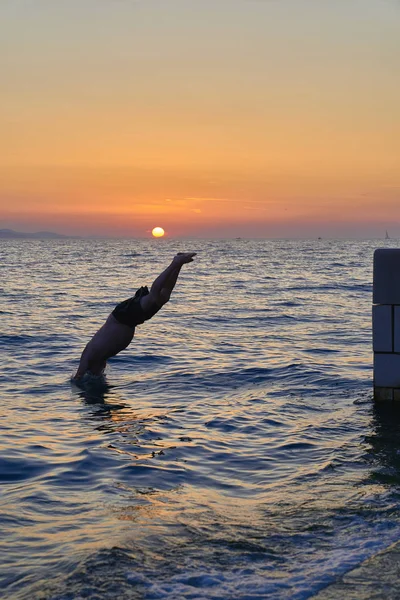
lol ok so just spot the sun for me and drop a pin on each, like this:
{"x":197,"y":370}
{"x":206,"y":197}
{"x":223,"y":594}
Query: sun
{"x":158,"y":232}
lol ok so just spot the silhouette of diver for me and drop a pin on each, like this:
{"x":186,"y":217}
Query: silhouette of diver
{"x":117,"y":332}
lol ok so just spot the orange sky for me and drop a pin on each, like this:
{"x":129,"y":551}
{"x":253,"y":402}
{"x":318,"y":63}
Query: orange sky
{"x":229,"y":117}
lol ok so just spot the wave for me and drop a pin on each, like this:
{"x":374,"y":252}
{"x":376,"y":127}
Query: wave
{"x":293,"y":374}
{"x":227,"y":561}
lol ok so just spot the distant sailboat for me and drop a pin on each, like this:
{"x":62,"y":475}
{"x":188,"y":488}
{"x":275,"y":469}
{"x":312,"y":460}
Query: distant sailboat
{"x":387,"y":236}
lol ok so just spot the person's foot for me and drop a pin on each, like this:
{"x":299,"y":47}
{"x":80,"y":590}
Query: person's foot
{"x":184,"y":257}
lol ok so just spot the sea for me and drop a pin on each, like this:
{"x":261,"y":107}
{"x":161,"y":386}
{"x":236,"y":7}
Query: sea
{"x":233,"y":451}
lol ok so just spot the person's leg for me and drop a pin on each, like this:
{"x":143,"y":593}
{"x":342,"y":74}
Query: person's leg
{"x":163,"y":285}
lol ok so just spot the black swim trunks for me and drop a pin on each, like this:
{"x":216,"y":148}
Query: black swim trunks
{"x":129,"y":312}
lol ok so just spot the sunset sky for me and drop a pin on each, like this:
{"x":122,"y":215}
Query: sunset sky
{"x":210,"y":118}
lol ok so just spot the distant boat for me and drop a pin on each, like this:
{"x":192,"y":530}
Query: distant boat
{"x":387,"y":236}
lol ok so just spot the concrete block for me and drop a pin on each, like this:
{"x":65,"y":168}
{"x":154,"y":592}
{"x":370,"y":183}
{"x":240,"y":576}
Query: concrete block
{"x":383,"y":394}
{"x":382,"y":328}
{"x":396,"y":328}
{"x":386,"y":276}
{"x":387,"y":370}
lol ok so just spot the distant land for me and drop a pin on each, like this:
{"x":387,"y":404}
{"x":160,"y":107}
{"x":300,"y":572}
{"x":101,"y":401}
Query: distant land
{"x":39,"y":235}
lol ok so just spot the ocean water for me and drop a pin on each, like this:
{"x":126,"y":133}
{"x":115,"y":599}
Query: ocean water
{"x":235,"y":451}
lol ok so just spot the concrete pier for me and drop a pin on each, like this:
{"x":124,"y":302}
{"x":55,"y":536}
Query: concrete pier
{"x":375,"y":579}
{"x":386,"y":324}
